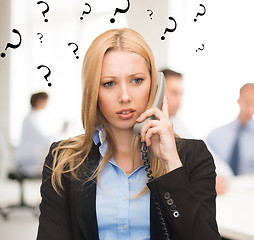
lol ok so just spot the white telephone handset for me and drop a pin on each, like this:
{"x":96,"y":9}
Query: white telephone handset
{"x":160,"y":92}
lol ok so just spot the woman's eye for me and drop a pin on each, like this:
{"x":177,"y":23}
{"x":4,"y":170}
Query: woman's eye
{"x":108,"y":84}
{"x":138,"y":80}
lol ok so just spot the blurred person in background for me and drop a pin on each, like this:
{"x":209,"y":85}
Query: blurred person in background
{"x":174,"y":93}
{"x":34,"y":141}
{"x":232,"y":144}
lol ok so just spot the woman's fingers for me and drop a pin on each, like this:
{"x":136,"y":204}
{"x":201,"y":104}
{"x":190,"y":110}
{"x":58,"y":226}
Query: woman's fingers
{"x":152,"y":127}
{"x":151,"y":112}
{"x":162,"y":125}
{"x":159,"y":114}
{"x":150,"y":133}
{"x":148,"y":124}
{"x":165,"y":107}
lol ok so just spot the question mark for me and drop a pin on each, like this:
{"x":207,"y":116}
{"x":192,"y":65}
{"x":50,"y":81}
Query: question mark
{"x":45,"y":11}
{"x":9,"y":45}
{"x":40,"y":36}
{"x":169,"y":30}
{"x":200,"y":14}
{"x":112,"y":20}
{"x":76,"y":49}
{"x":151,"y":13}
{"x":201,"y":49}
{"x":46,"y":76}
{"x":81,"y":18}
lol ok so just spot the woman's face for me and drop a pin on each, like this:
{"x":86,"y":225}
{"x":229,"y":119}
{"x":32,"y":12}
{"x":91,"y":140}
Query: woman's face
{"x":124,"y":88}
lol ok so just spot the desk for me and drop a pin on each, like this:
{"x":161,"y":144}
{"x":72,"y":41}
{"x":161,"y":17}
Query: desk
{"x":235,"y":209}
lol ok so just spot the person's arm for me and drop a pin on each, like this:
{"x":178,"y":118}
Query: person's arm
{"x":54,"y":220}
{"x":187,"y":195}
{"x":223,"y":170}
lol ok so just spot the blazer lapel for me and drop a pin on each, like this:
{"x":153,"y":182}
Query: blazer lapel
{"x":156,"y":232}
{"x":86,"y":210}
{"x":85,"y":199}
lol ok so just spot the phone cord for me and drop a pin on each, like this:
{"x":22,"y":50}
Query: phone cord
{"x":145,"y":158}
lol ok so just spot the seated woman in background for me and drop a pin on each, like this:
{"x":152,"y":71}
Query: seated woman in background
{"x":95,"y":185}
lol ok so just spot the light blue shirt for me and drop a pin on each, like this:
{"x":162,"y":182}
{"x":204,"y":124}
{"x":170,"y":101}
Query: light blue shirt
{"x":121,"y":215}
{"x":221,"y":141}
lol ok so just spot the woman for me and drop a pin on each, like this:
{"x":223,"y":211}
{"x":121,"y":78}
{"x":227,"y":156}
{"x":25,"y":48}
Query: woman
{"x":94,"y":184}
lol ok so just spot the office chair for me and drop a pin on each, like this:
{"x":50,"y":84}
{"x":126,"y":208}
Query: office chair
{"x":2,"y":213}
{"x":5,"y":165}
{"x":20,"y":178}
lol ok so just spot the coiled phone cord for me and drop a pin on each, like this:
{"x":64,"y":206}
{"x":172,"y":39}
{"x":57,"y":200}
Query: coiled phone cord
{"x":146,"y":163}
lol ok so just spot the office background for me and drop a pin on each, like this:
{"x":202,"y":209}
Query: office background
{"x":212,"y":77}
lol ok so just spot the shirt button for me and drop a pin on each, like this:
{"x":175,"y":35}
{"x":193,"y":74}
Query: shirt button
{"x":130,"y":180}
{"x":167,"y":195}
{"x":124,"y":226}
{"x":124,"y":198}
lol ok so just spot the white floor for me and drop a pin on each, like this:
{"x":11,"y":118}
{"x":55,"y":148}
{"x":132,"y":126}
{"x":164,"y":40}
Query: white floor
{"x":21,"y":224}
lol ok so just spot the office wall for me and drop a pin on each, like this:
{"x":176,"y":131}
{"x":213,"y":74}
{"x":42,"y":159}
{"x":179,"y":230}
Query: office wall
{"x":4,"y":67}
{"x":152,"y":29}
{"x":4,"y":88}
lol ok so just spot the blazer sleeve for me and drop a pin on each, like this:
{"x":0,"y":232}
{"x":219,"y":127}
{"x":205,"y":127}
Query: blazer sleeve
{"x":54,"y":217}
{"x":187,"y":195}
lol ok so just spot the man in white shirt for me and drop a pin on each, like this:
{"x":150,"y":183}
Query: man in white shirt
{"x":174,"y":93}
{"x":233,"y":142}
{"x":34,"y":144}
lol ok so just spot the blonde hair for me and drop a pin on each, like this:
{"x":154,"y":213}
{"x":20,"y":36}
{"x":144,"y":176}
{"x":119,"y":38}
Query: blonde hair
{"x":72,"y":153}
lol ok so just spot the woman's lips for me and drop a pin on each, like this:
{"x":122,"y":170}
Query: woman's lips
{"x":126,"y":114}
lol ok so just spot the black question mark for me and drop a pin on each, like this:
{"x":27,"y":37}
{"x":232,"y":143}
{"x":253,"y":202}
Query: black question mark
{"x":47,"y":75}
{"x":9,"y":45}
{"x":151,"y":13}
{"x":168,"y":29}
{"x":201,"y":49}
{"x":200,"y":14}
{"x":112,"y":20}
{"x":84,"y":12}
{"x":76,"y":49}
{"x":45,"y":11}
{"x":40,"y":36}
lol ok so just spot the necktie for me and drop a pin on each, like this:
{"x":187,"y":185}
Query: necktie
{"x":234,"y":159}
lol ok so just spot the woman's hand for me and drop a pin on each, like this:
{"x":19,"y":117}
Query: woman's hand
{"x":159,"y":135}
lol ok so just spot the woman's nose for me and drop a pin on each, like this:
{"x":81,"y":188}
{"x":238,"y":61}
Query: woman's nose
{"x":124,"y":95}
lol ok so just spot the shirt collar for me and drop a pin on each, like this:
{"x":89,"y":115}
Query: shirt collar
{"x":249,"y":126}
{"x":99,"y":135}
